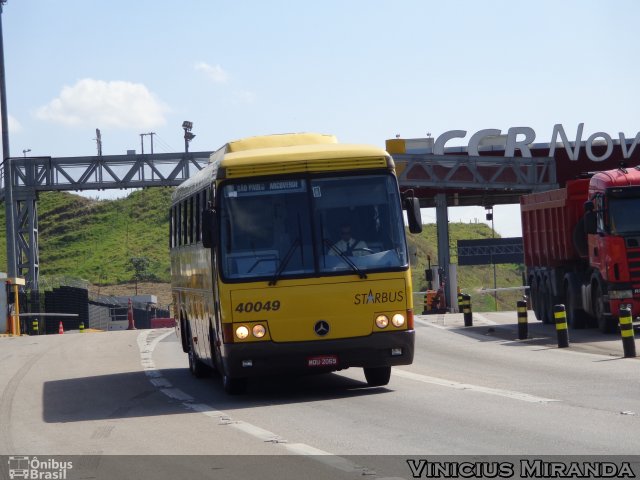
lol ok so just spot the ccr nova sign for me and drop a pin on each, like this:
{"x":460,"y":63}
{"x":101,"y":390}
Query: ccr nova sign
{"x":520,"y":138}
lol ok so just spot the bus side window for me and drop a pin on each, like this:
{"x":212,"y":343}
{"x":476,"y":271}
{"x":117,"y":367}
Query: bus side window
{"x":172,"y":227}
{"x":178,"y":225}
{"x":185,"y":223}
{"x":197,"y":215}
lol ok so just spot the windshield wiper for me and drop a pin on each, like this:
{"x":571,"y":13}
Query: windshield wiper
{"x":348,"y":261}
{"x":285,"y":261}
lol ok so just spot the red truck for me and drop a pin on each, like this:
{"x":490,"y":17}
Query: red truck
{"x":582,"y":248}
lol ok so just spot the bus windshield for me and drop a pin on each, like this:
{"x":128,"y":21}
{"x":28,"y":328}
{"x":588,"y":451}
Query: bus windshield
{"x":298,"y":227}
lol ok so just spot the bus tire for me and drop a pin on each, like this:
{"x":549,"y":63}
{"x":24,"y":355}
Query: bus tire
{"x":234,"y":386}
{"x":377,"y":376}
{"x":196,"y":367}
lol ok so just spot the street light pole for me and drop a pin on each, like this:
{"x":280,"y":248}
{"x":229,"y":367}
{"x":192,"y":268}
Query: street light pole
{"x":188,"y":136}
{"x":8,"y":171}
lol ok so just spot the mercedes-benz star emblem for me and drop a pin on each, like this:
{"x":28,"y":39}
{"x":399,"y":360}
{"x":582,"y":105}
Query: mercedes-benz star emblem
{"x":321,"y":328}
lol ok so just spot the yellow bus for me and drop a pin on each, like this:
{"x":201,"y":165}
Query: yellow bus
{"x":288,"y":254}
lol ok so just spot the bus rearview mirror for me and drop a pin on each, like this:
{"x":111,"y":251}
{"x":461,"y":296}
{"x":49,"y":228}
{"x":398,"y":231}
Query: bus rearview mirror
{"x":414,"y":217}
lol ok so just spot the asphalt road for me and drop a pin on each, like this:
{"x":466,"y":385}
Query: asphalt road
{"x":471,"y":391}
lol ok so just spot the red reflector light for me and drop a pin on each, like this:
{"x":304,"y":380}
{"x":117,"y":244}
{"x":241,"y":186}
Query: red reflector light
{"x":410,"y":319}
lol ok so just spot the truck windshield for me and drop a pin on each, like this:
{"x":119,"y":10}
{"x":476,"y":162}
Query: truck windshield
{"x":623,"y":215}
{"x":298,"y":227}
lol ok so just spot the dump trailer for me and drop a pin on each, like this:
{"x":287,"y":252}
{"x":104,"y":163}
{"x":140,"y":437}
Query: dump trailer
{"x":582,"y":248}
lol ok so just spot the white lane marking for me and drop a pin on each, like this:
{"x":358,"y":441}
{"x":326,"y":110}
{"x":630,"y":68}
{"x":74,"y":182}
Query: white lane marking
{"x":476,"y":316}
{"x":429,"y":324}
{"x":155,"y":377}
{"x":484,"y":319}
{"x":525,"y":397}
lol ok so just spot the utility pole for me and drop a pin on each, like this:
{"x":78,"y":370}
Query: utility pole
{"x":99,"y":141}
{"x":142,"y":135}
{"x":12,"y":270}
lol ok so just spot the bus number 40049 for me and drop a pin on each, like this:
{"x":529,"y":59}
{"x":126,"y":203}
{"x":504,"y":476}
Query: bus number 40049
{"x":248,"y":307}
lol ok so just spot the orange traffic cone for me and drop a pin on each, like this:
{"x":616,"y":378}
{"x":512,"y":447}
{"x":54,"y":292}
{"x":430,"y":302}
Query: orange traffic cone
{"x":132,"y":324}
{"x":60,"y":328}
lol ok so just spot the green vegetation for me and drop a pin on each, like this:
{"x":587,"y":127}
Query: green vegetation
{"x":471,"y":279}
{"x":120,"y":241}
{"x":96,"y":239}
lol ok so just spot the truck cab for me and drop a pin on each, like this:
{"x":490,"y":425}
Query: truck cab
{"x":612,"y":224}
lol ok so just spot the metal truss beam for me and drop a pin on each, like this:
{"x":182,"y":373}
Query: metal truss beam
{"x":463,"y":172}
{"x":33,"y":174}
{"x":105,"y":172}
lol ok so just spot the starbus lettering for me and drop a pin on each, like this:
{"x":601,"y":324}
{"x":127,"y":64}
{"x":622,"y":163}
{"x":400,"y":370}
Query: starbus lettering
{"x":378,"y":297}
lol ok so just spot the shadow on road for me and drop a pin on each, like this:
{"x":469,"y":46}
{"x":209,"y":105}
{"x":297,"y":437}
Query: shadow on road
{"x":131,"y":394}
{"x":544,"y":335}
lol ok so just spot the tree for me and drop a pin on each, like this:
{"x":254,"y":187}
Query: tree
{"x":140,"y":268}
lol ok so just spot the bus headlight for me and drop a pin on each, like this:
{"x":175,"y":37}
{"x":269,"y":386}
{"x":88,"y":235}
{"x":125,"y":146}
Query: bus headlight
{"x":242,"y":332}
{"x":382,"y":321}
{"x":259,"y":331}
{"x":397,"y":320}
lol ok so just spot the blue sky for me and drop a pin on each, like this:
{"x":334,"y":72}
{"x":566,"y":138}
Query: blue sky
{"x":364,"y":70}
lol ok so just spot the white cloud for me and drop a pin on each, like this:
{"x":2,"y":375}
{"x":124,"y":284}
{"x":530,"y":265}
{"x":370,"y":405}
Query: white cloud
{"x":14,"y":125}
{"x":214,"y":72}
{"x":105,"y":104}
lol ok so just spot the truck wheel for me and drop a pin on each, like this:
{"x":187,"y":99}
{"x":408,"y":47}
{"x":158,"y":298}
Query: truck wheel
{"x":535,"y":297}
{"x":545,"y":302}
{"x":606,"y":323}
{"x":377,"y":376}
{"x":576,"y":317}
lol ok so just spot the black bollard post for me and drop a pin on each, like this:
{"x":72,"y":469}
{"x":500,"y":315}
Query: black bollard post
{"x":523,"y":326}
{"x":626,"y":331}
{"x":560,"y":315}
{"x":466,"y":310}
{"x":460,"y":294}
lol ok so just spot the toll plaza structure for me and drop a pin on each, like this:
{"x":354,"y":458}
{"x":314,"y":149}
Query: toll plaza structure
{"x":496,"y":168}
{"x":493,"y":169}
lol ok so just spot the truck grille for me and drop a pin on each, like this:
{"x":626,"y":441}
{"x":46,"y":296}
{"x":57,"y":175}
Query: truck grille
{"x":633,"y":256}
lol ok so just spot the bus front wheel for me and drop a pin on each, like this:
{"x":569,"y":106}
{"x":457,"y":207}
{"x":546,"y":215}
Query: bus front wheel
{"x":377,"y":376}
{"x":196,"y":367}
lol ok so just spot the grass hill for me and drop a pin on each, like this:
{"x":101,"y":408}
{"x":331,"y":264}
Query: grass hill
{"x":471,"y":279}
{"x":96,"y":239}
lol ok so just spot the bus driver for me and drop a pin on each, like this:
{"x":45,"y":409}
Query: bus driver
{"x":349,"y":245}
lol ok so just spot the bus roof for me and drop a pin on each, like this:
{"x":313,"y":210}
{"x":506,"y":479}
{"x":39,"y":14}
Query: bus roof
{"x":295,"y":152}
{"x":282,"y":154}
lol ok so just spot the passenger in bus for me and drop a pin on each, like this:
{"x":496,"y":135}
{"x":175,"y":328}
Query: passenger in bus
{"x":349,"y":245}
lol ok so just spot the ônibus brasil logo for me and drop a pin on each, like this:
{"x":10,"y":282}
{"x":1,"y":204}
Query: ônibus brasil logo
{"x":35,"y":469}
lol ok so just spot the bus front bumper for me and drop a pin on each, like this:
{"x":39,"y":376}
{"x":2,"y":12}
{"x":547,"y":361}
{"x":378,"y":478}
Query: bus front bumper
{"x":377,"y":350}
